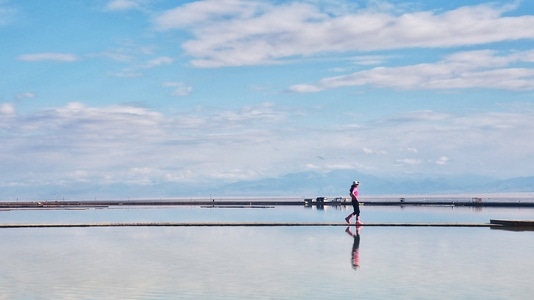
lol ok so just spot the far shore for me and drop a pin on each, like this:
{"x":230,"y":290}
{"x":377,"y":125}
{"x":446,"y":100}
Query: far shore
{"x":474,"y":200}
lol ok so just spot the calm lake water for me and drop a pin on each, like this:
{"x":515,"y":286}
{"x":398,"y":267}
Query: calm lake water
{"x":265,"y":262}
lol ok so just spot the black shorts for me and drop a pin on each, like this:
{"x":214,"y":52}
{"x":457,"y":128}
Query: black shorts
{"x":356,"y":206}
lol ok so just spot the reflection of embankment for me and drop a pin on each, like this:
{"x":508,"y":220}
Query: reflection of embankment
{"x":517,"y":225}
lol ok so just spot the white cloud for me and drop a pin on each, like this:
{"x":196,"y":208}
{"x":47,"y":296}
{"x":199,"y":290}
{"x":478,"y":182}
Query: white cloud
{"x":136,"y":70}
{"x":120,"y":143}
{"x":7,"y":109}
{"x":122,"y":5}
{"x":7,"y":13}
{"x":205,"y":12}
{"x":126,"y":74}
{"x":471,"y":69}
{"x":156,"y":62}
{"x":180,"y":89}
{"x":26,"y":95}
{"x":366,"y":60}
{"x":137,"y":145}
{"x":49,"y":56}
{"x":442,"y":160}
{"x":409,"y":161}
{"x":375,"y":152}
{"x":234,"y":33}
{"x":305,"y":88}
{"x":116,"y":55}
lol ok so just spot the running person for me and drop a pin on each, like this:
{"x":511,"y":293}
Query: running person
{"x":355,"y":204}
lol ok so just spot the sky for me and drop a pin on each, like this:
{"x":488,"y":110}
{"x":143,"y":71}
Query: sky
{"x":142,"y":92}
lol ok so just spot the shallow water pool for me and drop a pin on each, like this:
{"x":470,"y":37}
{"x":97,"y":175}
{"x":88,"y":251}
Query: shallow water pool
{"x":265,"y":262}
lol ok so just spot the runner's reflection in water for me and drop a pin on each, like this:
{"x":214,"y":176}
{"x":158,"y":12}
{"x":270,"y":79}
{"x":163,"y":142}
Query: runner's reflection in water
{"x":355,"y":255}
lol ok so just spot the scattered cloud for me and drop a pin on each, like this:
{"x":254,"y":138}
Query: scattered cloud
{"x":471,"y":69}
{"x":115,"y":55}
{"x":386,"y":47}
{"x":205,"y":12}
{"x":409,"y":161}
{"x":123,"y":5}
{"x":57,"y":57}
{"x":23,"y":96}
{"x":236,"y":33}
{"x":122,"y":142}
{"x":156,"y":62}
{"x":180,"y":89}
{"x":136,"y":144}
{"x":367,"y":60}
{"x":442,"y":160}
{"x":375,"y":152}
{"x":126,"y":74}
{"x":126,"y":51}
{"x":6,"y":109}
{"x":7,"y":13}
{"x":136,"y":71}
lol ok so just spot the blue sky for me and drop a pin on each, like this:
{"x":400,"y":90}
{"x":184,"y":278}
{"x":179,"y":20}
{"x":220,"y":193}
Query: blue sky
{"x":151,"y":91}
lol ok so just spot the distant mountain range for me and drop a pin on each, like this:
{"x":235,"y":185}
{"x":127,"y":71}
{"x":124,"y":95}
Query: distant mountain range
{"x":306,"y":184}
{"x":338,"y":183}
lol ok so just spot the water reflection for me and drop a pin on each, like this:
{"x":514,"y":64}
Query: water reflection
{"x":265,"y":263}
{"x":355,"y":253}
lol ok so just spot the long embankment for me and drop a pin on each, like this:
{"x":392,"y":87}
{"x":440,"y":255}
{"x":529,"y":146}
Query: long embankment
{"x":319,"y":203}
{"x":257,"y":202}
